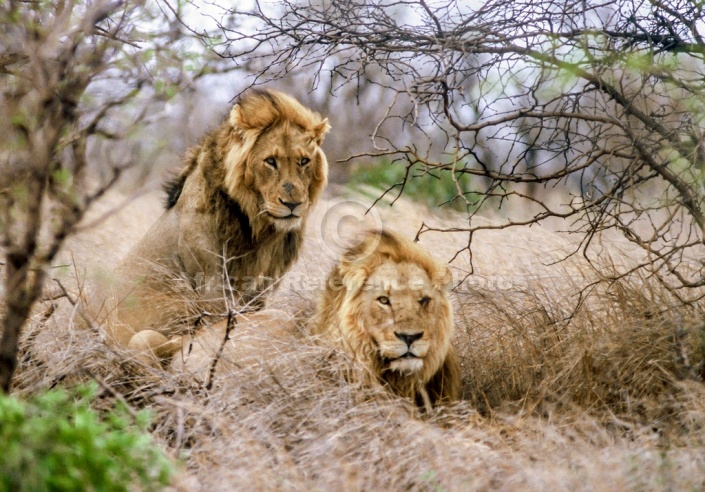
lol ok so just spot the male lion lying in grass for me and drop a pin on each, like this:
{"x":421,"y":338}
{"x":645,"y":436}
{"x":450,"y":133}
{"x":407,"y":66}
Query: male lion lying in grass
{"x":233,"y":225}
{"x":385,"y":304}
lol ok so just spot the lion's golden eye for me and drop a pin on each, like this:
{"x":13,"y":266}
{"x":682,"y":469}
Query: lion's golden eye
{"x":271,"y":161}
{"x":424,"y":301}
{"x":304,"y":161}
{"x":383,"y":300}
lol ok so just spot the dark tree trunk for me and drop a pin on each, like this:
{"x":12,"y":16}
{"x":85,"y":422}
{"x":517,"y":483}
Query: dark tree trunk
{"x":22,"y":289}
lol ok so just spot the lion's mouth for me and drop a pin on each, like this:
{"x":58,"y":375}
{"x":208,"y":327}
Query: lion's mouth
{"x":406,"y":364}
{"x":407,"y":355}
{"x":285,"y":217}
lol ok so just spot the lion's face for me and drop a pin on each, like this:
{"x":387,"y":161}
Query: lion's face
{"x":275,"y":168}
{"x":286,"y":166}
{"x":405,"y":317}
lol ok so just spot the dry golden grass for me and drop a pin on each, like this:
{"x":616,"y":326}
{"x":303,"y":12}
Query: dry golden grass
{"x":602,"y":394}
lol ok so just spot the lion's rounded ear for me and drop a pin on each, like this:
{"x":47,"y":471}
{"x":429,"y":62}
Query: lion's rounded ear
{"x":236,"y":116}
{"x":319,"y":131}
{"x":444,"y":278}
{"x":320,"y":174}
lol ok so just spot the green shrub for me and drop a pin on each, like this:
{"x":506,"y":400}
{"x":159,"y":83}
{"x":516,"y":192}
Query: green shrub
{"x":56,"y":441}
{"x":431,"y":188}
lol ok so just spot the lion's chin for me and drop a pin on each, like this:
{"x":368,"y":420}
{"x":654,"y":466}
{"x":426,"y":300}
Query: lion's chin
{"x":285,"y":224}
{"x":406,"y":365}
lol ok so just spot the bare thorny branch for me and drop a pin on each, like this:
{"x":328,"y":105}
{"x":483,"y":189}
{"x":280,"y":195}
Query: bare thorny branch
{"x":73,"y":74}
{"x":597,"y":103}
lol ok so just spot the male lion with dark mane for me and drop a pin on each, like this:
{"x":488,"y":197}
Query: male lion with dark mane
{"x":233,"y":225}
{"x":386,"y":304}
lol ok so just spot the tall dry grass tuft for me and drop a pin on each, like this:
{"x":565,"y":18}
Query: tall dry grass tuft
{"x":621,"y":351}
{"x":565,"y":388}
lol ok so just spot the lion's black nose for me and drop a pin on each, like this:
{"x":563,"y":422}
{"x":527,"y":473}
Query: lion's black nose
{"x":408,"y":338}
{"x":291,"y":205}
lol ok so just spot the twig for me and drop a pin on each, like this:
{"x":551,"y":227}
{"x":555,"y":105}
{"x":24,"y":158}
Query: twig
{"x":103,"y":384}
{"x":192,"y":331}
{"x":65,"y":293}
{"x":48,"y":312}
{"x":53,"y":294}
{"x":232,"y":321}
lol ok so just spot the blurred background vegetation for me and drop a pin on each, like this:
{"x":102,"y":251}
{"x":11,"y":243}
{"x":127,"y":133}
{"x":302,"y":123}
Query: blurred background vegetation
{"x":422,"y":186}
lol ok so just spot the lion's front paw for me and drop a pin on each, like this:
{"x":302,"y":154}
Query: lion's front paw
{"x":153,"y":348}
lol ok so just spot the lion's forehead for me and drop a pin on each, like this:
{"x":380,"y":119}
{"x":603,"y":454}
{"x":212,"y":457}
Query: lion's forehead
{"x":286,"y":141}
{"x":394,"y":277}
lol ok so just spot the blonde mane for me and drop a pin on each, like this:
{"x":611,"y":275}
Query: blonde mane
{"x":346,"y":315}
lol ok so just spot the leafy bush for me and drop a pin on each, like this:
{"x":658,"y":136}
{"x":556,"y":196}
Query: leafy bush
{"x":431,"y":188}
{"x":56,"y":441}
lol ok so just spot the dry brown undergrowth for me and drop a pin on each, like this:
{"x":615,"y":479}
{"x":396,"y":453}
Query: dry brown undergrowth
{"x":606,"y":394}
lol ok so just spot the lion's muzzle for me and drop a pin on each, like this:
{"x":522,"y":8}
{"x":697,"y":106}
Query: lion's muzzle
{"x":405,"y":353}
